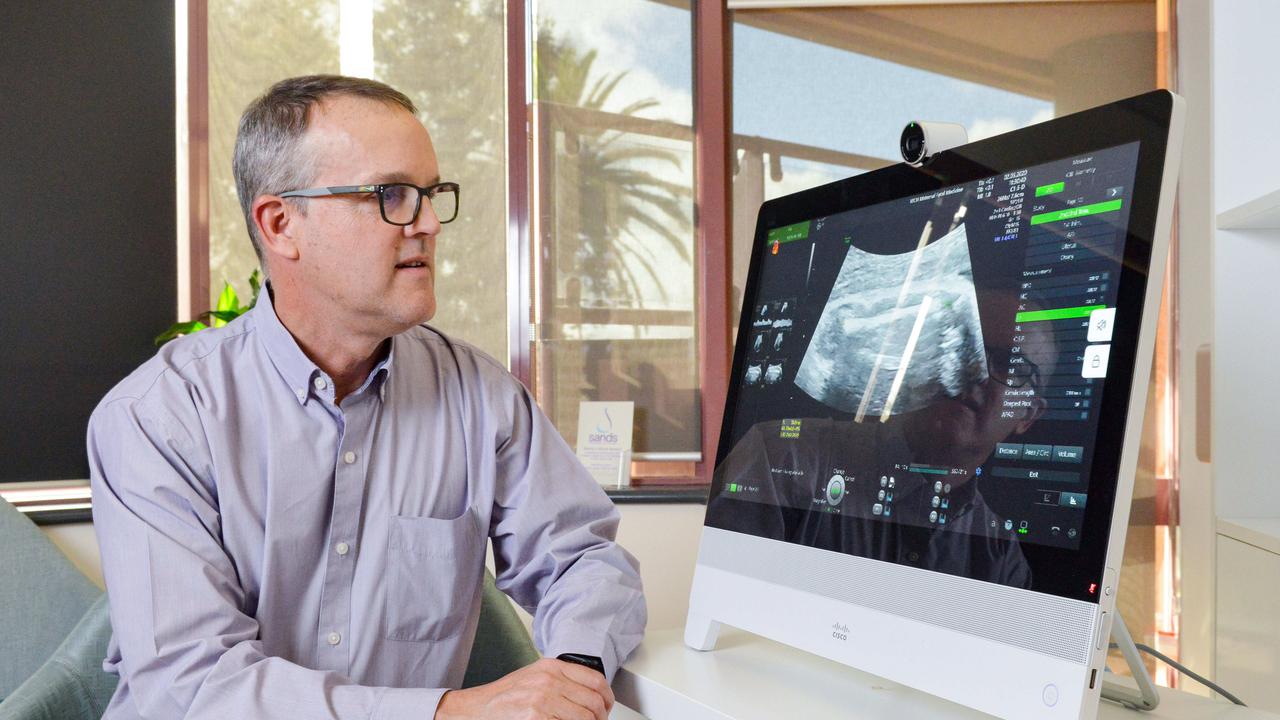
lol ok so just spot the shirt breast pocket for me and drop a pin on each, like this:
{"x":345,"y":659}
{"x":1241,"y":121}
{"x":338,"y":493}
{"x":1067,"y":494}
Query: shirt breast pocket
{"x":434,"y":576}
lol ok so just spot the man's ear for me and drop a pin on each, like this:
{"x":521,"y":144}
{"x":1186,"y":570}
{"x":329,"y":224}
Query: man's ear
{"x":276,"y":223}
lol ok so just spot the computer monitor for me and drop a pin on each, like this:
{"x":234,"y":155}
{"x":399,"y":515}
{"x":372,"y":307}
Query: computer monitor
{"x":932,"y":426}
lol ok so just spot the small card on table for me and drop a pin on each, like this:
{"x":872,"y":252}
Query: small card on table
{"x":604,"y":440}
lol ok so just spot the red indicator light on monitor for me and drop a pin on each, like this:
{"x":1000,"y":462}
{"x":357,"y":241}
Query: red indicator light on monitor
{"x":1093,"y":588}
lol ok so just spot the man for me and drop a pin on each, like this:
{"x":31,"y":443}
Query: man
{"x":292,"y":510}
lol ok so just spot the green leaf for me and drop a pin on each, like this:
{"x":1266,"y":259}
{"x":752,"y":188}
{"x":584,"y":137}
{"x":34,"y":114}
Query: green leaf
{"x":179,"y":329}
{"x":221,"y":317}
{"x":228,"y":299}
{"x":228,"y":309}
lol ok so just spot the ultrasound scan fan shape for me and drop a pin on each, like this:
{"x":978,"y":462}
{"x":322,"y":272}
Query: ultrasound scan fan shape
{"x":898,"y":332}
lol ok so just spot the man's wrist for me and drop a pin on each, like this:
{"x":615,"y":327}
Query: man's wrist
{"x":450,"y":706}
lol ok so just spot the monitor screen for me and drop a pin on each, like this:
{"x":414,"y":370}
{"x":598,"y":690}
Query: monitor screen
{"x":924,"y":379}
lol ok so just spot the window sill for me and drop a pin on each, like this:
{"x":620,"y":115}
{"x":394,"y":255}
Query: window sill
{"x":51,"y":502}
{"x":659,"y":494}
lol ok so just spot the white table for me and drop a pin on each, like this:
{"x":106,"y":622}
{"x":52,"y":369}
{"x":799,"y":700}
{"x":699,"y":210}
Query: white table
{"x":748,"y":677}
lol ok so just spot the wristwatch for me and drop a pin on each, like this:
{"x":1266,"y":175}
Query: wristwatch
{"x":590,"y":661}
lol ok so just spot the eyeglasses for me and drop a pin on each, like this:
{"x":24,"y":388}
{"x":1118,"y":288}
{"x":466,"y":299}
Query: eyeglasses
{"x":1013,"y":374}
{"x":399,"y":202}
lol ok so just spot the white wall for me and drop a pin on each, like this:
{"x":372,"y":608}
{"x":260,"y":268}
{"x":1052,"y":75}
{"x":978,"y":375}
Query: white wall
{"x":664,"y":538}
{"x":1246,"y":263}
{"x":77,"y":542}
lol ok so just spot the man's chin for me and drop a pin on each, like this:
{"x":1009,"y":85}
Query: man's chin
{"x":424,"y":313}
{"x":413,"y":311}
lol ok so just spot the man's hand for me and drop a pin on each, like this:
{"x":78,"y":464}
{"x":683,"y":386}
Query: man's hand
{"x":544,"y":690}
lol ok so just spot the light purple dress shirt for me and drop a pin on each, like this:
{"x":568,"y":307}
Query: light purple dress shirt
{"x":269,"y":554}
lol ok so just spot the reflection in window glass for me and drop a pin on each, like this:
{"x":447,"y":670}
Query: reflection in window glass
{"x":448,"y":57}
{"x":613,"y":217}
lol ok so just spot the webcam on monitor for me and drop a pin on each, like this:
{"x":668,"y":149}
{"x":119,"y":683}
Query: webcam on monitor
{"x":922,"y":140}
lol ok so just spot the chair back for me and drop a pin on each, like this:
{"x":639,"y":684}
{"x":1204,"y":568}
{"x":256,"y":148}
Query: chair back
{"x":42,"y":597}
{"x":502,"y":642}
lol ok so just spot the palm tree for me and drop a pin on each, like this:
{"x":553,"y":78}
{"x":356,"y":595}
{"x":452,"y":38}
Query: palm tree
{"x":611,"y":185}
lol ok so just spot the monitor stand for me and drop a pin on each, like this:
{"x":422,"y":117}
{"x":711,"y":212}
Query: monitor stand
{"x":1145,"y":697}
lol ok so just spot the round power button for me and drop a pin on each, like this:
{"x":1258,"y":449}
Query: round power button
{"x":1050,"y":695}
{"x":835,"y":490}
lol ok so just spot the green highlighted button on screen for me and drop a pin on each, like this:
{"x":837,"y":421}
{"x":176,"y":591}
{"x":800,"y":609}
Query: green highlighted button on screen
{"x":789,"y":233}
{"x":1075,"y":212}
{"x":1066,"y":313}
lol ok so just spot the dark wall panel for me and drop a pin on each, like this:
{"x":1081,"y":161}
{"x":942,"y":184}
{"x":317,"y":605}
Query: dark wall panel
{"x":87,"y":216}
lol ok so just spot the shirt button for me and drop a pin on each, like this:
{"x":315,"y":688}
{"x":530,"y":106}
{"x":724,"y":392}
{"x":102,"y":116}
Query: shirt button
{"x":334,"y":638}
{"x":319,"y":383}
{"x":349,"y":457}
{"x":342,"y":548}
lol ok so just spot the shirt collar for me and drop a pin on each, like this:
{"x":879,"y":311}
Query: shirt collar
{"x":294,"y":365}
{"x":378,"y":376}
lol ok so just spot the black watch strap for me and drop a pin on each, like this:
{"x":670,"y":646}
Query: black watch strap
{"x":590,"y":661}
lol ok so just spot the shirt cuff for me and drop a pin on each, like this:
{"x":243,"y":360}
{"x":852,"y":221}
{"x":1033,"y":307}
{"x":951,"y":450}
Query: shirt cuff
{"x":571,"y":637}
{"x":408,"y":704}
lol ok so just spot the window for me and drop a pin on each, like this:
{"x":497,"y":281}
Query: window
{"x":613,"y":220}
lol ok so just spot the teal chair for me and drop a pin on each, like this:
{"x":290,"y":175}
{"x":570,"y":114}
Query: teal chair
{"x":56,"y":628}
{"x":42,"y":598}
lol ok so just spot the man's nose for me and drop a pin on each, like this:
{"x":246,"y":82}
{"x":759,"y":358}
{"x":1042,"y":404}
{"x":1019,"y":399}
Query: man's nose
{"x":427,"y":222}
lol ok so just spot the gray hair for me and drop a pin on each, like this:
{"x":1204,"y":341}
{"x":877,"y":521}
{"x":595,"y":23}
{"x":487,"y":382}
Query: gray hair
{"x":269,"y":156}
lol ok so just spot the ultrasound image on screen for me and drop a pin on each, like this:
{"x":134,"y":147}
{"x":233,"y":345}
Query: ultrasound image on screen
{"x":898,"y":331}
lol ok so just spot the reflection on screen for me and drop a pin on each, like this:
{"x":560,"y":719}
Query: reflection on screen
{"x":922,"y":377}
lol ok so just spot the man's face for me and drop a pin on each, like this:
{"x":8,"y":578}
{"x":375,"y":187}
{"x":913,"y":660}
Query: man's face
{"x":963,"y":431}
{"x":351,"y":263}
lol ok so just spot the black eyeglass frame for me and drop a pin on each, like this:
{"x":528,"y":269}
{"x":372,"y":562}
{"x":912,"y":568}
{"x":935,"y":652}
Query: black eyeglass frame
{"x":1015,"y":378}
{"x":430,"y":191}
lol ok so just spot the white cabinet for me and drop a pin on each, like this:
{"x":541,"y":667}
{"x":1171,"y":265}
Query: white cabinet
{"x":1248,"y":647}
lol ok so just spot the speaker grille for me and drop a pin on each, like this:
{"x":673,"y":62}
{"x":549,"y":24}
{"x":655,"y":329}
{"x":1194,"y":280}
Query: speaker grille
{"x":1046,"y":624}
